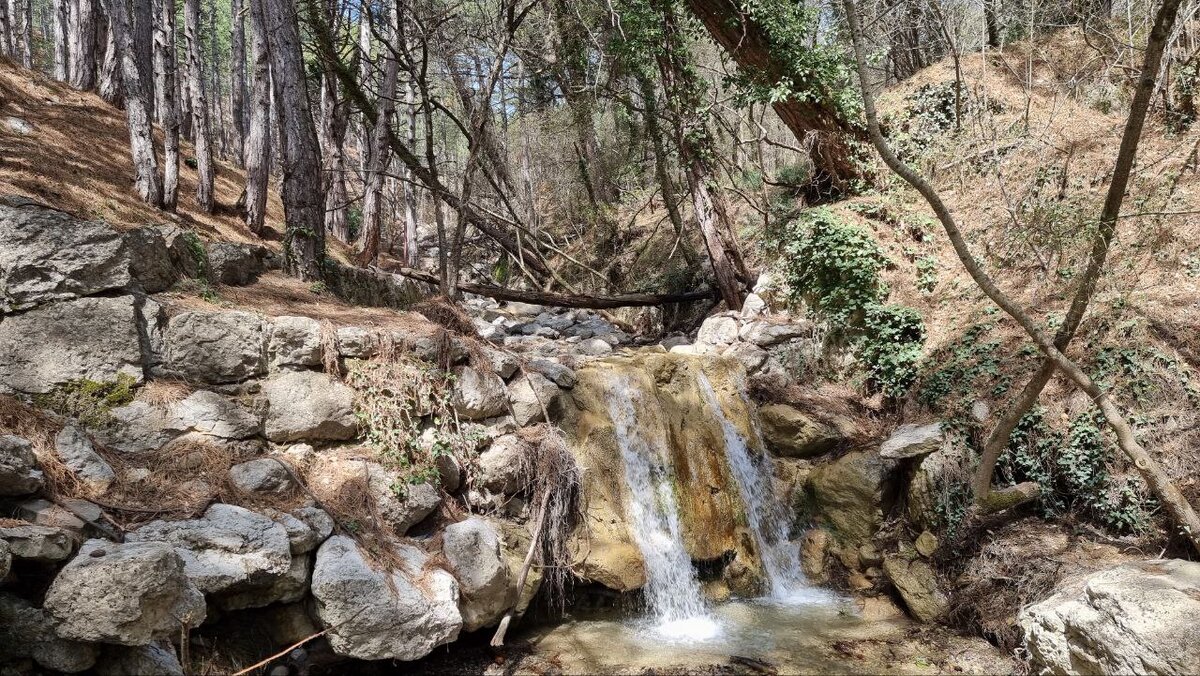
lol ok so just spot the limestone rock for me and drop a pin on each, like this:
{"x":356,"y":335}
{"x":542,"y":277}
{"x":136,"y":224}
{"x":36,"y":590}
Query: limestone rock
{"x":80,"y":456}
{"x":850,"y":493}
{"x":477,"y":395}
{"x":528,"y":394}
{"x":926,"y":544}
{"x":306,"y":405}
{"x":227,"y":549}
{"x":5,"y":560}
{"x":765,"y":333}
{"x":925,"y":488}
{"x":912,"y":441}
{"x":290,"y":587}
{"x":356,"y":343}
{"x":261,"y":475}
{"x":139,"y":427}
{"x":295,"y":342}
{"x":216,"y":347}
{"x":88,"y":338}
{"x":500,"y":464}
{"x":749,"y":355}
{"x":18,"y":467}
{"x":1137,"y":618}
{"x":150,"y":260}
{"x":48,"y":255}
{"x":812,"y":553}
{"x":472,"y":550}
{"x":718,"y":331}
{"x":38,"y":543}
{"x":594,"y":347}
{"x":216,"y":415}
{"x":918,"y":587}
{"x":157,"y":658}
{"x":795,"y":434}
{"x":29,"y":632}
{"x":400,"y":505}
{"x":129,"y":594}
{"x":754,"y":306}
{"x":561,"y":375}
{"x":320,"y":527}
{"x":236,"y":264}
{"x":375,"y":620}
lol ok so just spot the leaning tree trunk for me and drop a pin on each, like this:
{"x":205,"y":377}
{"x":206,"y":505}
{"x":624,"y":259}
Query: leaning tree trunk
{"x":137,"y":106}
{"x":237,"y":94}
{"x":83,"y":44}
{"x":303,"y":203}
{"x":200,"y":123}
{"x":168,"y":113}
{"x":379,"y":151}
{"x":258,"y":137}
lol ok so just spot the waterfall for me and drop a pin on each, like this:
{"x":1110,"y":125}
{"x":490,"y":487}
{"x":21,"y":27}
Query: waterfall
{"x":672,"y":590}
{"x":765,"y":514}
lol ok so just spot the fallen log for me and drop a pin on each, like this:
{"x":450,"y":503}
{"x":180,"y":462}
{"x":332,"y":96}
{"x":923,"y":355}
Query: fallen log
{"x":562,"y":299}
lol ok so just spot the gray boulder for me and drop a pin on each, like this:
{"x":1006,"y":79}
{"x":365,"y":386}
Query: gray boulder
{"x":477,"y":395}
{"x":150,"y":260}
{"x":261,"y":475}
{"x":764,"y":333}
{"x":295,"y":342}
{"x":128,"y":594}
{"x":80,"y":456}
{"x":376,"y":615}
{"x":561,"y":375}
{"x":18,"y":467}
{"x":48,"y":255}
{"x":88,"y":338}
{"x":1136,"y":618}
{"x":531,"y":395}
{"x":308,"y":406}
{"x":227,"y":549}
{"x":38,"y":543}
{"x":749,"y":355}
{"x":718,"y":331}
{"x":157,"y":658}
{"x":138,"y":427}
{"x":28,"y":632}
{"x":236,"y":264}
{"x":912,"y":441}
{"x":290,"y":587}
{"x":851,"y":493}
{"x":215,"y":347}
{"x":401,"y":505}
{"x":473,"y":553}
{"x":5,"y":560}
{"x":500,"y":464}
{"x":318,"y":521}
{"x":215,"y":415}
{"x":356,"y":343}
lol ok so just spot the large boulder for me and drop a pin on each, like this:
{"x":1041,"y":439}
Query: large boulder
{"x":290,"y":587}
{"x":477,"y":395}
{"x":473,"y":553}
{"x":18,"y":467}
{"x":129,"y":594}
{"x":295,"y":342}
{"x":765,"y":333}
{"x":140,"y":426}
{"x":717,"y":331}
{"x":375,"y":614}
{"x":401,"y":505}
{"x":236,"y":264}
{"x":216,"y":347}
{"x":157,"y":658}
{"x":80,"y":456}
{"x":88,"y":338}
{"x":532,"y":396}
{"x":308,"y":406}
{"x":48,"y":255}
{"x":500,"y":465}
{"x":262,"y":475}
{"x":1137,"y":618}
{"x":793,"y":433}
{"x":46,"y":544}
{"x":28,"y":632}
{"x":228,"y":549}
{"x":912,"y":441}
{"x":918,"y":587}
{"x":850,"y":494}
{"x":150,"y":256}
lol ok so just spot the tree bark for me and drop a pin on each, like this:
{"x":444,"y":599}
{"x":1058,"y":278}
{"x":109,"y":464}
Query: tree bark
{"x":379,"y":151}
{"x":333,"y":138}
{"x":26,"y":33}
{"x":1160,"y":485}
{"x":200,"y":122}
{"x":237,"y":94}
{"x":83,"y":44}
{"x":164,"y":75}
{"x":137,"y":106}
{"x":304,"y":235}
{"x":7,"y":42}
{"x":817,"y":120}
{"x":61,"y":13}
{"x":112,"y":90}
{"x":258,"y":138}
{"x":661,"y":171}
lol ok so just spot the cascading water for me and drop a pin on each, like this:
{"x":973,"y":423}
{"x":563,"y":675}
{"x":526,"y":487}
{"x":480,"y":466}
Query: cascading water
{"x":766,"y":516}
{"x":672,"y":590}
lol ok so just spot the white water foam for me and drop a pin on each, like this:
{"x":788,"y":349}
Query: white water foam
{"x":673,"y":596}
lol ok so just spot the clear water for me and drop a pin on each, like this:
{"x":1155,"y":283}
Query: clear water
{"x":766,"y":515}
{"x":676,"y":608}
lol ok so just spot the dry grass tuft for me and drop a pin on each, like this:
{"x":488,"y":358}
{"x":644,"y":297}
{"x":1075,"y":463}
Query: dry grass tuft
{"x":447,"y":314}
{"x":553,"y":482}
{"x":329,"y":349}
{"x":163,"y":393}
{"x":184,"y":476}
{"x":40,"y":429}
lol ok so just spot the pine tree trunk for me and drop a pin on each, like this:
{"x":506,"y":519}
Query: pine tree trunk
{"x":6,"y":30}
{"x":137,"y":106}
{"x":26,"y":33}
{"x":379,"y":151}
{"x":142,"y":20}
{"x":410,"y":191}
{"x":62,"y":54}
{"x":200,"y":123}
{"x":258,"y":141}
{"x":164,"y":74}
{"x":83,"y":44}
{"x":304,"y":237}
{"x":333,"y":136}
{"x":112,"y":89}
{"x":237,"y":95}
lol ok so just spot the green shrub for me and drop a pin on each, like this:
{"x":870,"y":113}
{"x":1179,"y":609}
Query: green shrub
{"x":890,"y":347}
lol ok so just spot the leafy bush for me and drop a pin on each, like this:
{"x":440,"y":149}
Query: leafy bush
{"x":890,"y":346}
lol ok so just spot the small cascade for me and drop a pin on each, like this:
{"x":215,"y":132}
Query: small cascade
{"x":766,"y":515}
{"x":672,"y":590}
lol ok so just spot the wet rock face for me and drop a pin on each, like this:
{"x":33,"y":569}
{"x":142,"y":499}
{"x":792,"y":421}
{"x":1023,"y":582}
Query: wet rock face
{"x":377,"y":618}
{"x":128,"y":594}
{"x":851,"y":494}
{"x":1140,"y":618}
{"x":49,"y":256}
{"x":793,"y":433}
